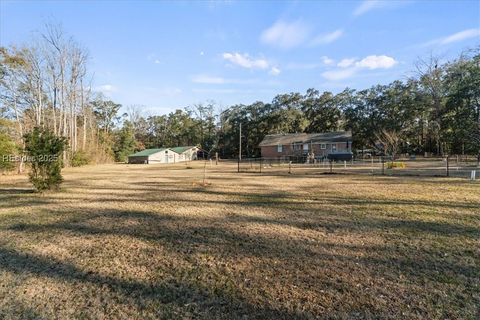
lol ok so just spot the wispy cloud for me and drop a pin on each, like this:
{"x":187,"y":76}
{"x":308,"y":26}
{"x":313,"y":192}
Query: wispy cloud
{"x":350,"y":66}
{"x":339,"y":74}
{"x":327,"y":61}
{"x":107,"y":88}
{"x":274,"y":71}
{"x":209,"y":79}
{"x":369,"y":5}
{"x":232,"y":90}
{"x":327,"y":37}
{"x":169,"y":91}
{"x":285,"y":34}
{"x":206,"y":79}
{"x":153,"y":58}
{"x":163,"y":91}
{"x":245,"y":61}
{"x":456,"y":37}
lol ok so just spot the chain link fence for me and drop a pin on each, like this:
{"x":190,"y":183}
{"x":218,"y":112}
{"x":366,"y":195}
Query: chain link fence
{"x":452,"y":166}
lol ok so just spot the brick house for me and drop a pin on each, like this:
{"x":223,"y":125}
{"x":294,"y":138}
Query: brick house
{"x":300,"y":144}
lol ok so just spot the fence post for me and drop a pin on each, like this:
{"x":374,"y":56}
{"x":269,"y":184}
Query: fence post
{"x":238,"y":169}
{"x":261,"y":165}
{"x":205,"y":172}
{"x":331,"y":166}
{"x":473,"y":175}
{"x":383,"y":165}
{"x":216,"y":158}
{"x":290,"y":167}
{"x":448,"y":168}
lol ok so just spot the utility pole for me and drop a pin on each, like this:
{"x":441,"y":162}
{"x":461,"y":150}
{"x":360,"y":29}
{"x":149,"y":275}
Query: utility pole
{"x":239,"y":148}
{"x":240,"y":143}
{"x":448,"y":168}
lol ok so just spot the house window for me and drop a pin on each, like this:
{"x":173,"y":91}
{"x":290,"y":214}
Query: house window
{"x":305,"y":147}
{"x":279,"y":148}
{"x":334,"y":146}
{"x":323,"y":146}
{"x":297,"y":146}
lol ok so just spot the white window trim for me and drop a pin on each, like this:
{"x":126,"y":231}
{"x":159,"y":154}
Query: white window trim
{"x":323,"y":146}
{"x":334,"y":146}
{"x":279,"y":148}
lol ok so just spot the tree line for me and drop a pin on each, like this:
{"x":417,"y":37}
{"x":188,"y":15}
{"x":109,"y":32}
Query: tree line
{"x":435,"y":112}
{"x":47,"y":85}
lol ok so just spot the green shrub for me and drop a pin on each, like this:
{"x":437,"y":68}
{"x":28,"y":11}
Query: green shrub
{"x":80,"y":158}
{"x":44,"y":153}
{"x":398,"y":164}
{"x":7,"y":149}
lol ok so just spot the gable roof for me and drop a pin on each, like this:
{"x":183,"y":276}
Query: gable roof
{"x":147,"y":152}
{"x":289,"y":138}
{"x":181,"y":149}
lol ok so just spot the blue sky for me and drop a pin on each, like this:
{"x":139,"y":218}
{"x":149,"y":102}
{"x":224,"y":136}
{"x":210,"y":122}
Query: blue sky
{"x":168,"y":55}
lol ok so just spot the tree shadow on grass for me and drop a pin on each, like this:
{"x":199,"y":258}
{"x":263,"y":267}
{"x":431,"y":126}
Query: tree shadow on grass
{"x":168,"y":292}
{"x":16,"y":191}
{"x":187,"y":238}
{"x":223,"y":237}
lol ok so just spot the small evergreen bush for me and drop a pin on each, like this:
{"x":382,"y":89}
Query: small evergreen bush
{"x":80,"y":158}
{"x":44,"y":153}
{"x":7,"y":150}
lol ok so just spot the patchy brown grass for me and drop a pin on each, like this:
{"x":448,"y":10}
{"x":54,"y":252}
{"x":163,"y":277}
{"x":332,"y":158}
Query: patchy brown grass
{"x":136,"y":241}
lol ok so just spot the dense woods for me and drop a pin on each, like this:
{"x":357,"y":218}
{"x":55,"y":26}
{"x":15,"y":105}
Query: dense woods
{"x":48,"y":85}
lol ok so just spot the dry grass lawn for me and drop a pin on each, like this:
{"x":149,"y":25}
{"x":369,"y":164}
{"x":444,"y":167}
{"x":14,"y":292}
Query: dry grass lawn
{"x":137,"y":241}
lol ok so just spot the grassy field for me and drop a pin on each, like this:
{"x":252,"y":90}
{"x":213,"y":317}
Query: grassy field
{"x":137,"y":241}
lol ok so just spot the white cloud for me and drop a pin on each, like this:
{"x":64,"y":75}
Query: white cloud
{"x":170,"y":91}
{"x":327,"y":37}
{"x":202,"y":53}
{"x":339,"y":74}
{"x":462,"y":35}
{"x":245,"y":61}
{"x":456,"y":37}
{"x":376,"y":62}
{"x":157,"y":61}
{"x":107,"y":88}
{"x":350,"y":67}
{"x":275,"y":71}
{"x":208,"y":79}
{"x":285,"y":34}
{"x":345,"y":63}
{"x":368,"y":5}
{"x":327,"y":61}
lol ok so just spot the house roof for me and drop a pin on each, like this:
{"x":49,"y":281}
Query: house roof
{"x":147,"y":152}
{"x":289,"y":138}
{"x":181,"y":149}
